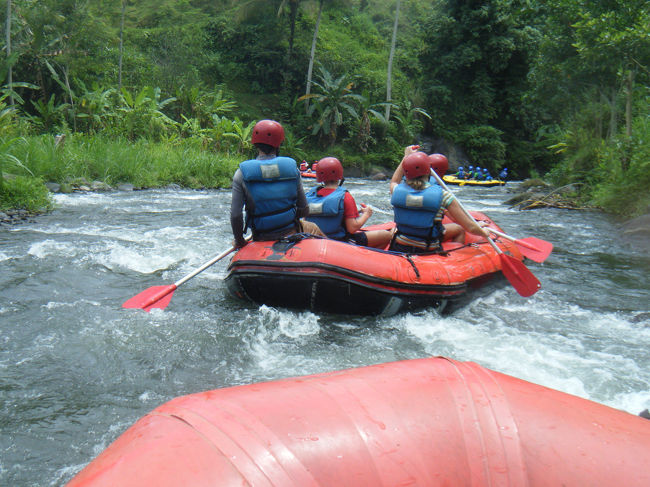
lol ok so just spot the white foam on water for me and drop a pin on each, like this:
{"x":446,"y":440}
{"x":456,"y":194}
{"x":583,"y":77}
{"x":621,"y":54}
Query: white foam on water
{"x":144,"y":397}
{"x":190,"y":196}
{"x":4,"y":257}
{"x":56,"y":305}
{"x":48,"y":248}
{"x":136,"y":260}
{"x":544,"y":341}
{"x":273,"y":329}
{"x":83,"y":199}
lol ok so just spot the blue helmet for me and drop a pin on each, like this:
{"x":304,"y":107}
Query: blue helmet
{"x":471,"y":167}
{"x":485,"y":169}
{"x":460,"y":168}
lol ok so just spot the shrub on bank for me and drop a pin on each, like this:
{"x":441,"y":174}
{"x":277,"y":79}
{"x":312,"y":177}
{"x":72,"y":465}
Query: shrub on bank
{"x":24,"y":193}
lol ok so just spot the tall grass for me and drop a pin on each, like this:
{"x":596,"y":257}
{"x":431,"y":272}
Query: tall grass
{"x":143,"y":163}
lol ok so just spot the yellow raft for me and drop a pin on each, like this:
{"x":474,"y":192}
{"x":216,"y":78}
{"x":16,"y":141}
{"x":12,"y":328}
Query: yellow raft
{"x":472,"y":182}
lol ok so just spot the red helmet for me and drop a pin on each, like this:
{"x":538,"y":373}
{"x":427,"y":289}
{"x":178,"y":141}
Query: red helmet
{"x":439,"y":164}
{"x":415,"y":165}
{"x":329,"y":169}
{"x":268,"y":132}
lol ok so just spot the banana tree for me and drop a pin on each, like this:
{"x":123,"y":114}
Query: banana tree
{"x":50,"y":114}
{"x":142,"y":114}
{"x":332,"y":105}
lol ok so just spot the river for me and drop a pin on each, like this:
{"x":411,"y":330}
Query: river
{"x":76,"y":369}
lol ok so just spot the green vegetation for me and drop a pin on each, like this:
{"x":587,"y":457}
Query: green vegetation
{"x":143,"y":163}
{"x":166,"y":91}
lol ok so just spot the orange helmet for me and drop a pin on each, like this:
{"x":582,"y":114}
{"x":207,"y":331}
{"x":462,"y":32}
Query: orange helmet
{"x":268,"y":132}
{"x":416,"y":164}
{"x":439,"y":164}
{"x":329,"y":169}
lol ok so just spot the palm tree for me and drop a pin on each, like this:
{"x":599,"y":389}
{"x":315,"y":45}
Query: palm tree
{"x":408,"y":118}
{"x":367,"y":111}
{"x":8,"y":44}
{"x":389,"y":79}
{"x":313,"y":52}
{"x":334,"y":100}
{"x":119,"y":73}
{"x":293,"y":15}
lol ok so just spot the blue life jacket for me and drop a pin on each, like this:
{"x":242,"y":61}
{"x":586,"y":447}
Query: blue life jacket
{"x":460,"y":174}
{"x":415,"y":212}
{"x":273,"y":186}
{"x":327,"y":211}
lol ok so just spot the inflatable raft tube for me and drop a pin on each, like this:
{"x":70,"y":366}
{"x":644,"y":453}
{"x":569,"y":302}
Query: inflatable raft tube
{"x":426,"y":422}
{"x":472,"y":182}
{"x":327,"y":276}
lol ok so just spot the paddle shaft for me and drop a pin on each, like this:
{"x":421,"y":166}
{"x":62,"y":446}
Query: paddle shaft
{"x":443,"y":185}
{"x":513,"y":239}
{"x":525,"y":283}
{"x":159,"y":296}
{"x":173,"y":287}
{"x":212,"y":261}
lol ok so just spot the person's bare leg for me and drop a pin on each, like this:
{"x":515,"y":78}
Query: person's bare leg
{"x":311,"y":228}
{"x":379,"y":238}
{"x":453,"y":232}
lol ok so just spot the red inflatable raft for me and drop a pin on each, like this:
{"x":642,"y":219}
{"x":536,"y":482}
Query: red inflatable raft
{"x":309,"y":174}
{"x":332,"y":276}
{"x":428,"y":422}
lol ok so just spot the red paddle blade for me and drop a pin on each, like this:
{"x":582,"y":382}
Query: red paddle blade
{"x":535,"y":248}
{"x":525,"y":283}
{"x":154,"y":297}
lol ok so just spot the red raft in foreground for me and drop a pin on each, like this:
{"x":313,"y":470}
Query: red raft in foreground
{"x":330,"y":276}
{"x":428,"y":422}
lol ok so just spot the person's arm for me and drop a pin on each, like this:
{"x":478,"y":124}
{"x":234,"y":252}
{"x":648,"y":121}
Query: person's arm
{"x":353,"y":225}
{"x":399,"y":171}
{"x":460,"y":217}
{"x":302,"y":206}
{"x":236,"y":209}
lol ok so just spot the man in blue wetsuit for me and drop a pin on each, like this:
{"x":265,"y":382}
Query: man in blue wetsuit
{"x":270,"y":189}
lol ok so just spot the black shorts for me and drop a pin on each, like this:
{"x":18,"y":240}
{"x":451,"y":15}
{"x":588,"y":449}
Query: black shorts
{"x":408,"y":249}
{"x":359,"y":238}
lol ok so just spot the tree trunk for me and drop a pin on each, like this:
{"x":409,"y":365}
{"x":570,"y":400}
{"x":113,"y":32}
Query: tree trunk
{"x":612,"y":115}
{"x":293,"y":15}
{"x":8,"y":43}
{"x":389,"y":79}
{"x":599,"y":116}
{"x":119,"y":75}
{"x":628,"y":103}
{"x":74,"y":110}
{"x":313,"y":53}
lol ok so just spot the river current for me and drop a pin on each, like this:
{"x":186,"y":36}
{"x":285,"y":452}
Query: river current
{"x":76,"y":369}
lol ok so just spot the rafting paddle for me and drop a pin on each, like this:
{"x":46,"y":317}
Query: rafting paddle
{"x":524,"y":281}
{"x":160,"y":296}
{"x":534,"y":248}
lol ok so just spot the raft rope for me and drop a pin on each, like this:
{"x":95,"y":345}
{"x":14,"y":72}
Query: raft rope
{"x":293,"y":239}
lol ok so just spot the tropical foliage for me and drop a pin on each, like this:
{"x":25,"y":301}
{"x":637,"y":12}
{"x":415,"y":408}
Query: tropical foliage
{"x":558,"y":87}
